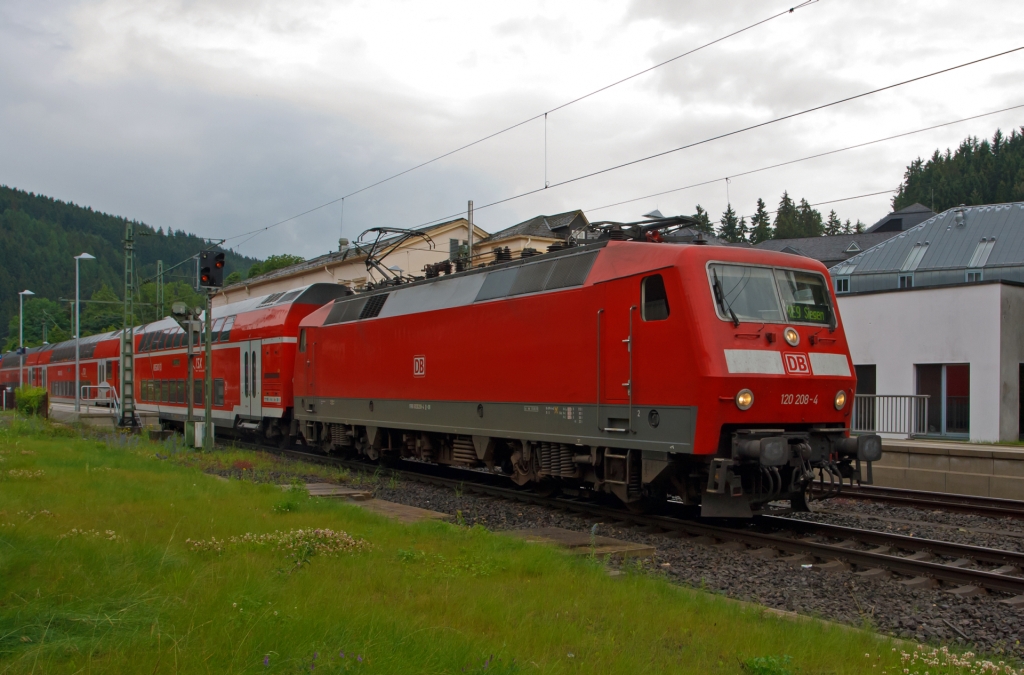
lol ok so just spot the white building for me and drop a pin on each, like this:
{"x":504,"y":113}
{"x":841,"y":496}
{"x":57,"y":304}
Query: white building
{"x":961,"y":345}
{"x":938,"y":310}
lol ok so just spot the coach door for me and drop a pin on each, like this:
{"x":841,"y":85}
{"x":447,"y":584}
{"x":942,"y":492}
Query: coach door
{"x":251,"y":371}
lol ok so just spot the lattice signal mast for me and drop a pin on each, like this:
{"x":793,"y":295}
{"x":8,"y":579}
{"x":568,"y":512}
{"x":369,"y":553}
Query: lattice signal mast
{"x":128,"y":417}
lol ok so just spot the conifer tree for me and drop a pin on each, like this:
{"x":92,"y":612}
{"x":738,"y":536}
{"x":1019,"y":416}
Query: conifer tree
{"x":833,"y":226}
{"x":732,"y":229}
{"x":859,"y":227}
{"x":703,"y":221}
{"x":809,"y":220}
{"x":760,"y":224}
{"x":787,"y":219}
{"x":847,"y":227}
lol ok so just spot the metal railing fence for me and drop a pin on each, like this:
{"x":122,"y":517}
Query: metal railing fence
{"x":890,"y":414}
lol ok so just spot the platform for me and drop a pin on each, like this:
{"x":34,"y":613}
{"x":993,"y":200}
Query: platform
{"x":96,"y":416}
{"x":948,"y":466}
{"x":581,"y":543}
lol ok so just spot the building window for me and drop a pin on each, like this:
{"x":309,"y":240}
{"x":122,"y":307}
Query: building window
{"x":974,"y":276}
{"x":843,"y":285}
{"x":948,"y":387}
{"x":655,"y":300}
{"x":906,"y":281}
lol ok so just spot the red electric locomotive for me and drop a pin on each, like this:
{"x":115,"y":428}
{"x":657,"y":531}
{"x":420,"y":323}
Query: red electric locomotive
{"x":636,"y":368}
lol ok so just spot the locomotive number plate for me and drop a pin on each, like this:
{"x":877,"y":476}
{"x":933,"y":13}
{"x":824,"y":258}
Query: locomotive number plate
{"x":799,"y":399}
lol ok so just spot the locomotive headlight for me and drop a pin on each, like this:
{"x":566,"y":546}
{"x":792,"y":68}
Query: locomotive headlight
{"x":791,"y":336}
{"x":840,"y":399}
{"x":744,"y":399}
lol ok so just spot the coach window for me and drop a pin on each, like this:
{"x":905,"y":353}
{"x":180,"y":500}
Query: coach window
{"x":655,"y":300}
{"x":218,"y":392}
{"x":302,"y":340}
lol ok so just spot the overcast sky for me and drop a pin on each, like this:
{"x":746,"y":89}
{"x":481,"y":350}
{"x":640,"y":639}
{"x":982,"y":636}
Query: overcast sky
{"x":224,"y":116}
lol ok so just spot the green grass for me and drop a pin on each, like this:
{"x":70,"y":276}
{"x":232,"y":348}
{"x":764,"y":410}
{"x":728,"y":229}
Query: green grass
{"x":427,"y":598}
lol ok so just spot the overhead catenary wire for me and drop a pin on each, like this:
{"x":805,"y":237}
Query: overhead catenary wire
{"x":804,"y":159}
{"x":542,"y":115}
{"x":727,"y":134}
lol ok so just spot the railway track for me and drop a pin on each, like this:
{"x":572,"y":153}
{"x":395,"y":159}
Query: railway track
{"x":983,"y":506}
{"x":913,"y":560}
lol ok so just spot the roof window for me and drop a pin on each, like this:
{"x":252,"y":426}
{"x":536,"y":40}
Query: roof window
{"x":914,"y":257}
{"x":981,"y":252}
{"x":852,"y":248}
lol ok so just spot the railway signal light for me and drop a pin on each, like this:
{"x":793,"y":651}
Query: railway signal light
{"x":211,"y":269}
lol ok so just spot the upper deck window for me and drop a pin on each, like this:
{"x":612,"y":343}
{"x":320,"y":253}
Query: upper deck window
{"x":766,"y":295}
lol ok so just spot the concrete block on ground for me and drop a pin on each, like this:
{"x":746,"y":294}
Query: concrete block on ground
{"x":332,"y":490}
{"x":581,"y":543}
{"x":400,"y":512}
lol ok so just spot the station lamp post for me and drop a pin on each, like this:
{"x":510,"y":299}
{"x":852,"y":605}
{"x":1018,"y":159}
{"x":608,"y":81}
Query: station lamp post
{"x":21,"y":336}
{"x":78,"y":330}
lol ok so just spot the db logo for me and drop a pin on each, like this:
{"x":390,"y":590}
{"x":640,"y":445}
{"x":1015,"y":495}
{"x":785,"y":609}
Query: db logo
{"x":796,"y":363}
{"x":419,"y":366}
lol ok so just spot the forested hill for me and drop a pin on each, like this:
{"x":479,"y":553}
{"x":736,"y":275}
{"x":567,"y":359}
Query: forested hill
{"x":977,"y":172}
{"x":39,"y":237}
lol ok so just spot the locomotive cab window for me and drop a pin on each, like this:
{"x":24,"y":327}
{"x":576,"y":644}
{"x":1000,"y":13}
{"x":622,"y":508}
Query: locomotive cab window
{"x":654,"y":298}
{"x":302,"y":340}
{"x":767,"y":295}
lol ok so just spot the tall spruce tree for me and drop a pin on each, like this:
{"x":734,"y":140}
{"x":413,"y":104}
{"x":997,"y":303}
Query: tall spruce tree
{"x":703,"y":221}
{"x":833,"y":225}
{"x":787,"y":219}
{"x":760,"y":224}
{"x":809,"y":220}
{"x":847,"y":228}
{"x":732,"y":229}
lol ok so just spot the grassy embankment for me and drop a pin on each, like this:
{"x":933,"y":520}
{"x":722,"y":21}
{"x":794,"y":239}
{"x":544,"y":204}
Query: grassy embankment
{"x":98,"y":574}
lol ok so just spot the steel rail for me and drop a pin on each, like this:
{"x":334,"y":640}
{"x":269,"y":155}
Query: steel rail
{"x":477,"y":482}
{"x":985,"y":506}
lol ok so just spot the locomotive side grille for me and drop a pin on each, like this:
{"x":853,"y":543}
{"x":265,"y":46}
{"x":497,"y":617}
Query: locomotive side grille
{"x":463,"y":451}
{"x":532,"y":278}
{"x":497,"y":284}
{"x":543,"y":276}
{"x":571,"y":271}
{"x":373,"y":306}
{"x":345,"y":311}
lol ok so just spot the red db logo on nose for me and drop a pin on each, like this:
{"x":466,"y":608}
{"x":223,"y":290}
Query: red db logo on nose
{"x":419,"y":366}
{"x":796,"y":363}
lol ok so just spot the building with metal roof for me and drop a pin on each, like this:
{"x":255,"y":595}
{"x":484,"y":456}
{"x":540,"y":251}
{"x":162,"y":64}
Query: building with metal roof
{"x":902,"y":220}
{"x":962,"y":245}
{"x":830,"y":250}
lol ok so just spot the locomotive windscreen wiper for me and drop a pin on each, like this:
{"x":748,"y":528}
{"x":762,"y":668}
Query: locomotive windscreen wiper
{"x":720,"y":297}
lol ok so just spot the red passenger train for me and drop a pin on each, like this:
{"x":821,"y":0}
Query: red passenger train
{"x":627,"y":366}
